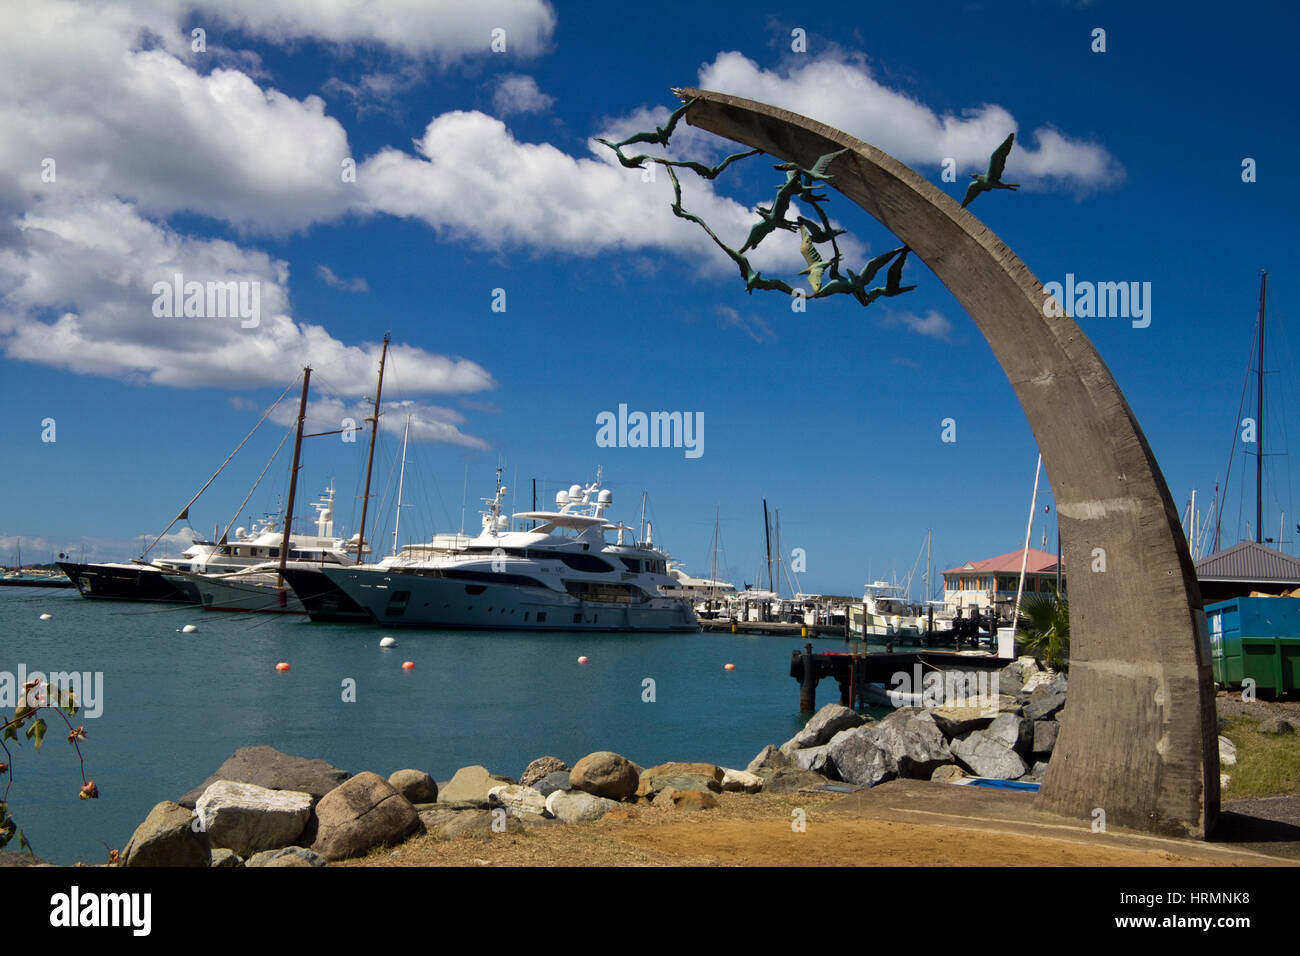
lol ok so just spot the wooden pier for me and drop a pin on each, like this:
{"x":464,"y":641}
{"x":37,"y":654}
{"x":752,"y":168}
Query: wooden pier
{"x":853,"y":670}
{"x":780,"y":628}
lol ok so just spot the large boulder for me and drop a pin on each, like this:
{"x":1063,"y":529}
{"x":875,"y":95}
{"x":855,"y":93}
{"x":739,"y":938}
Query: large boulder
{"x":416,"y":785}
{"x":824,"y":725}
{"x":286,"y":856}
{"x":1045,"y":701}
{"x":476,"y":823}
{"x":248,"y":819}
{"x":859,"y":758}
{"x":519,"y":801}
{"x":605,"y":774}
{"x":963,"y":717}
{"x":814,"y":759}
{"x":168,"y":837}
{"x":790,"y":779}
{"x":267,"y":767}
{"x":1227,"y":752}
{"x":680,"y":776}
{"x":1016,"y":732}
{"x":1045,"y":734}
{"x":360,"y":814}
{"x":559,"y":780}
{"x":578,"y":806}
{"x":914,"y":743}
{"x":1277,"y":725}
{"x":741,"y":781}
{"x":769,"y":760}
{"x":542,"y":767}
{"x":986,"y":756}
{"x":470,"y":785}
{"x":694,"y":800}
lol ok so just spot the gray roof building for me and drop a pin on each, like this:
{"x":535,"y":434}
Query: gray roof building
{"x":1245,"y":567}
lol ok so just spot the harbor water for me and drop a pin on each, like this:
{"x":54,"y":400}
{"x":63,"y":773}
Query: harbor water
{"x":174,"y":705}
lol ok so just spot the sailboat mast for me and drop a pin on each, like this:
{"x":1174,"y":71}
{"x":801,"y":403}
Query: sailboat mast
{"x":370,"y":461}
{"x":1259,"y":422}
{"x":767,"y":534}
{"x":401,"y":478}
{"x":293,"y":478}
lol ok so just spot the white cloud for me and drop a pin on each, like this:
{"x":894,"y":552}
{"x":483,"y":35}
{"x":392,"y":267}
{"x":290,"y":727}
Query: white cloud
{"x":519,"y":94}
{"x":840,"y":91}
{"x":447,"y":30}
{"x":327,"y":276}
{"x":77,"y":286}
{"x":932,"y":323}
{"x":752,"y":325}
{"x":429,"y":423}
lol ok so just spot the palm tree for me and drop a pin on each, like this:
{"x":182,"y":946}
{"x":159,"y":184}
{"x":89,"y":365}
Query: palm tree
{"x":1047,"y":630}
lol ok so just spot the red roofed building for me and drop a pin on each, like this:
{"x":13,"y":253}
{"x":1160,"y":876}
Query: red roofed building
{"x":993,"y":581}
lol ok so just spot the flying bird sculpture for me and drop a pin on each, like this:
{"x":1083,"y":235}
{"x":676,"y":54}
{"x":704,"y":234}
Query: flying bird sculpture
{"x":993,"y":178}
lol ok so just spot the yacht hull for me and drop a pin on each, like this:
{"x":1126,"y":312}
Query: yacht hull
{"x":110,"y":582}
{"x":322,"y":599}
{"x":412,"y":600}
{"x":228,"y":594}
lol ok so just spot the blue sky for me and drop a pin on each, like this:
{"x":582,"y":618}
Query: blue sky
{"x":476,"y":172}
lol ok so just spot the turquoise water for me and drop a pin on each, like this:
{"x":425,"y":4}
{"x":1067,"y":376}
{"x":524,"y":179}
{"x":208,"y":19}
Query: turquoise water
{"x":176,"y":705}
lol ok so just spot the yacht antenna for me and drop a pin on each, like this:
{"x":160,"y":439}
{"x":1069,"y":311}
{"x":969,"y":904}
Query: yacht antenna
{"x":400,"y":479}
{"x":370,"y":461}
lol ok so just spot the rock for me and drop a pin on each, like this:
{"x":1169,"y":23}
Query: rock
{"x":1039,"y":769}
{"x":1044,"y":702}
{"x":1010,"y":678}
{"x":470,"y":785}
{"x":680,"y":776}
{"x":769,"y":760}
{"x":542,"y":767}
{"x":167,"y":837}
{"x":415,"y":785}
{"x":1016,"y":732}
{"x":859,"y":759}
{"x":221,"y":857}
{"x":360,"y":814}
{"x":605,"y":774}
{"x":814,"y":759}
{"x":578,"y":806}
{"x":664,"y":798}
{"x":1227,"y":752}
{"x":912,"y":740}
{"x":559,"y":780}
{"x":287,"y":856}
{"x":694,"y":800}
{"x":987,"y":757}
{"x":1225,"y":780}
{"x":948,"y":773}
{"x":469,"y":823}
{"x":790,"y":779}
{"x":267,"y":767}
{"x":741,"y":781}
{"x":435,"y":818}
{"x":825,"y":724}
{"x":1045,"y":733}
{"x":961,"y":718}
{"x":518,"y":801}
{"x":248,"y":819}
{"x":1276,"y":725}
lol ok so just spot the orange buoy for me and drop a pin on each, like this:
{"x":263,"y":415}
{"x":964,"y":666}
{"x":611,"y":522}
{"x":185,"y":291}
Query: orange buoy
{"x":728,"y":667}
{"x":408,"y":665}
{"x":282,"y":666}
{"x":582,"y":660}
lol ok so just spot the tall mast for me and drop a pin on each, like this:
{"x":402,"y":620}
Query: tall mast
{"x":713,"y":565}
{"x":370,"y":461}
{"x":767,"y":534}
{"x":929,"y":534}
{"x":293,"y":479}
{"x":400,"y":479}
{"x":641,"y":537}
{"x":1259,"y":423}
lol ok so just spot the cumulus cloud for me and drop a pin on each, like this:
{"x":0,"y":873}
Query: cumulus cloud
{"x":519,"y":94}
{"x":752,"y":325}
{"x":839,"y":90}
{"x":327,"y":276}
{"x":429,"y":423}
{"x":933,"y":323}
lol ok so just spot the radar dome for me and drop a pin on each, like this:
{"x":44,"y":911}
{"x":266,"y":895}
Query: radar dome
{"x":605,"y":497}
{"x":239,"y":532}
{"x":575,"y":492}
{"x":561,"y":498}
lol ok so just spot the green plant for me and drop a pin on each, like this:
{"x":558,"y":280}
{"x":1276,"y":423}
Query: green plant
{"x":27,"y":718}
{"x":1046,"y":634}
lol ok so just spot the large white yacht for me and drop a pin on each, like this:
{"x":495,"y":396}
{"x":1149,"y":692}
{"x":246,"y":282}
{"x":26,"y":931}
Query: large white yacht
{"x":886,"y":614}
{"x":562,"y":575}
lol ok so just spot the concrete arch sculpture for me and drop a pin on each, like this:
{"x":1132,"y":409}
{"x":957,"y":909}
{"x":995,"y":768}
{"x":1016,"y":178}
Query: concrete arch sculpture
{"x":1139,"y":739}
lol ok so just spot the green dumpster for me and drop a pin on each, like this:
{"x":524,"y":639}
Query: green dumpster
{"x":1257,"y":638}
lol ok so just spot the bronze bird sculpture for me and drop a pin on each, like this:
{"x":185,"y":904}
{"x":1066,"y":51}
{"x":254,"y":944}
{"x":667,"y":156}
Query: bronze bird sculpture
{"x":993,"y":178}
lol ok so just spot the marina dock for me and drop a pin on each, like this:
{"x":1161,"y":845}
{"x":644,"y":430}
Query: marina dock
{"x":854,"y":670}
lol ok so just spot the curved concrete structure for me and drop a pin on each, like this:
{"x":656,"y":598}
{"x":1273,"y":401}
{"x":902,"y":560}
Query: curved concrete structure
{"x":1139,"y":741}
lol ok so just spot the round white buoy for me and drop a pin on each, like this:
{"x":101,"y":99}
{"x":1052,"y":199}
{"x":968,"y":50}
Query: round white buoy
{"x":388,"y":642}
{"x":46,"y":617}
{"x":189,"y":628}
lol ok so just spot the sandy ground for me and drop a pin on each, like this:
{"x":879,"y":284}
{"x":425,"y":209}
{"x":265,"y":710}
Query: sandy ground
{"x":757,"y":831}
